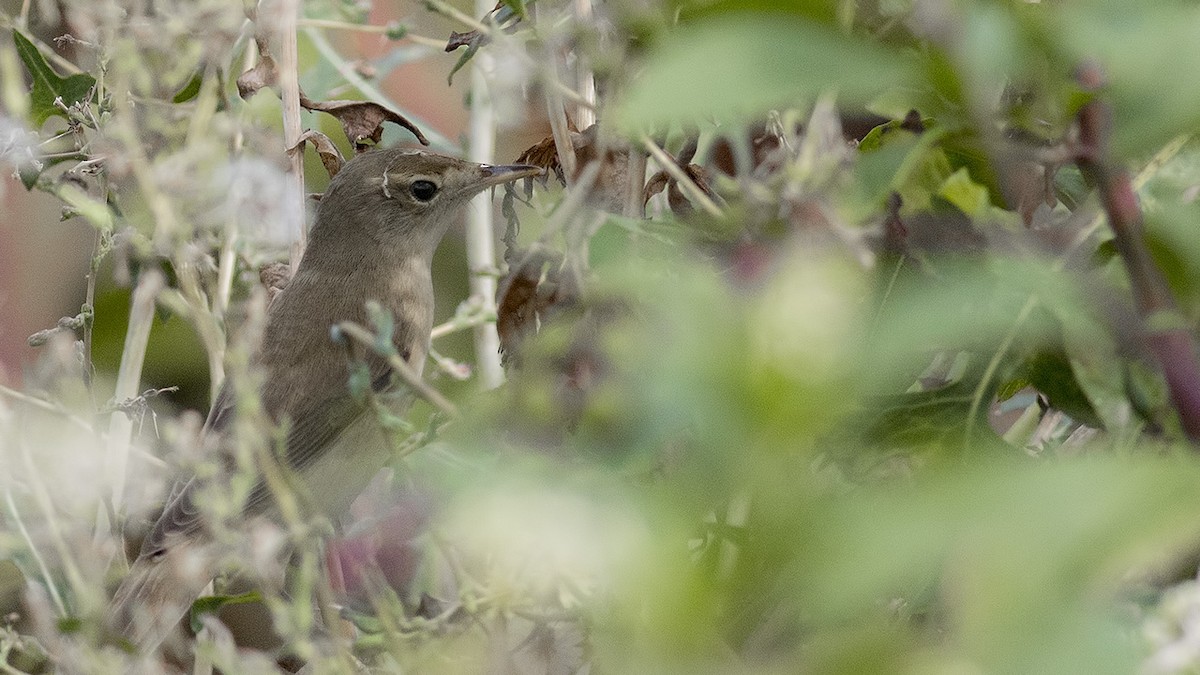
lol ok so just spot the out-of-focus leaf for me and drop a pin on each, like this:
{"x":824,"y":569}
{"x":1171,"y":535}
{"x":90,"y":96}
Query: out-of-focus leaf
{"x":12,"y":585}
{"x":1138,"y":51}
{"x":191,"y":88}
{"x":1020,"y":555}
{"x":1052,"y":374}
{"x":968,"y":196}
{"x":211,"y":604}
{"x":745,"y":64}
{"x":49,"y":85}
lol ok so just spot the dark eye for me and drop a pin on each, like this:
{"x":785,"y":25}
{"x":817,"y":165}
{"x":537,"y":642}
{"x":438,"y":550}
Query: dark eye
{"x":423,"y":190}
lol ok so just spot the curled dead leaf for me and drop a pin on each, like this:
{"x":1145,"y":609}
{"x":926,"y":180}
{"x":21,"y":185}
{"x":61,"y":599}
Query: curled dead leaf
{"x":544,"y":154}
{"x":679,"y":204}
{"x":468,"y":39}
{"x":326,"y":150}
{"x":362,"y":120}
{"x":531,"y":291}
{"x":608,"y":193}
{"x":262,"y":75}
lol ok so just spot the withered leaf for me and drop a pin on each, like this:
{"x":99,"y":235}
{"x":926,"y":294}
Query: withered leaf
{"x":262,"y":75}
{"x":544,"y":154}
{"x":326,"y":150}
{"x":526,"y":295}
{"x":680,"y":205}
{"x":362,"y":120}
{"x":464,"y":39}
{"x":655,"y":185}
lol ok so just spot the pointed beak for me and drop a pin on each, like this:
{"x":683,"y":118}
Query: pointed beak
{"x":497,"y":175}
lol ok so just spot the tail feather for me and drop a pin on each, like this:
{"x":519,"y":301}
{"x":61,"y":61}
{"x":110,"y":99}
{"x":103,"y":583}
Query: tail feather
{"x":157,"y":593}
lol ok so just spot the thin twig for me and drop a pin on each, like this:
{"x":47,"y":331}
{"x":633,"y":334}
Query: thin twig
{"x":48,"y":578}
{"x":455,"y":325}
{"x":47,"y":406}
{"x":585,"y":115}
{"x":328,"y":24}
{"x":439,"y":7}
{"x":636,"y":186}
{"x":45,"y":502}
{"x":423,"y":389}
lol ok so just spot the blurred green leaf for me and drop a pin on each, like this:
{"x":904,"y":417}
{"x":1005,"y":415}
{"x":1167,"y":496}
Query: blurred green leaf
{"x":211,"y":604}
{"x":1052,"y":374}
{"x":1022,"y":553}
{"x":190,"y":89}
{"x":12,"y":585}
{"x":968,"y":196}
{"x":744,"y":64}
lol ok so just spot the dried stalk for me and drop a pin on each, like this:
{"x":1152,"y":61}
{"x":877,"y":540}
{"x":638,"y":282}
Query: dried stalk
{"x":289,"y":91}
{"x":129,"y":376}
{"x":481,"y":246}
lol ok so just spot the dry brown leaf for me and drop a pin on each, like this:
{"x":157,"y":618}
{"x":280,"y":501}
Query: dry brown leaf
{"x":655,"y":185}
{"x":362,"y":120}
{"x":679,"y":203}
{"x":544,"y":154}
{"x":526,"y":295}
{"x":261,"y":75}
{"x":608,"y":192}
{"x":326,"y":150}
{"x":463,"y":39}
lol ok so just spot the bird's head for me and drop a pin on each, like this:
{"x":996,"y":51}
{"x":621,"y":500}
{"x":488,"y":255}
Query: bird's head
{"x":405,"y":199}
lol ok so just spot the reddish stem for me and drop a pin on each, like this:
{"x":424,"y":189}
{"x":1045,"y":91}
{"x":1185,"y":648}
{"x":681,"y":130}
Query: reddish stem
{"x":1174,"y":348}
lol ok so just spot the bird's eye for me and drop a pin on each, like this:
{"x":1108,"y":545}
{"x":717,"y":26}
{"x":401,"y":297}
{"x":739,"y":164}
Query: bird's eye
{"x":423,"y":190}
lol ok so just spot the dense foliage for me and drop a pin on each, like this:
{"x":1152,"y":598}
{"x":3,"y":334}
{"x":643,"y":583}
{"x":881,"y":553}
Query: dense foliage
{"x":856,"y":337}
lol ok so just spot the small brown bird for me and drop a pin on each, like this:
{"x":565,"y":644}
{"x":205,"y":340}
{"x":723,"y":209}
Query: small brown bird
{"x":376,"y":230}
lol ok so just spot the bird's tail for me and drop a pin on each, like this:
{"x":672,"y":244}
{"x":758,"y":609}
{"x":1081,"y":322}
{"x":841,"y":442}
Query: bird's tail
{"x":157,"y":592}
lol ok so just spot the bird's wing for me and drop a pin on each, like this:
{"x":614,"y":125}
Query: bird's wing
{"x":309,"y":434}
{"x":311,"y":430}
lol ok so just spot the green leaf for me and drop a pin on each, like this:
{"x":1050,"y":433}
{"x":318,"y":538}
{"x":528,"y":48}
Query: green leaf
{"x":1051,"y":372}
{"x":12,"y":584}
{"x":516,"y":6}
{"x":49,"y":85}
{"x":1020,"y":554}
{"x":743,"y":65}
{"x":28,"y":173}
{"x":191,"y":89}
{"x":968,"y":196}
{"x":211,"y":604}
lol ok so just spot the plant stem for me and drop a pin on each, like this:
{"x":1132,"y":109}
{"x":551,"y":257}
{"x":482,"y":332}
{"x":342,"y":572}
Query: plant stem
{"x":481,"y":246}
{"x":585,"y":115}
{"x":48,"y":578}
{"x":1166,"y":333}
{"x":439,"y":7}
{"x":289,"y":91}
